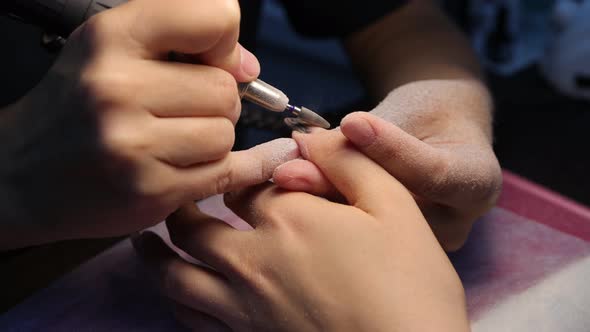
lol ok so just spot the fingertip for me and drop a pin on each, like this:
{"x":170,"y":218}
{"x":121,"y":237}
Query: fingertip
{"x":295,"y":175}
{"x":249,"y":65}
{"x":358,"y":129}
{"x":302,"y":139}
{"x":352,"y":117}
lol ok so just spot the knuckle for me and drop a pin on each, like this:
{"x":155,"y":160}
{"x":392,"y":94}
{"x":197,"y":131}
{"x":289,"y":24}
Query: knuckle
{"x":105,"y":86}
{"x":153,"y":188}
{"x":229,"y":10}
{"x":441,"y":168}
{"x":227,"y":99}
{"x":439,"y":171}
{"x":227,"y":16}
{"x":119,"y":139}
{"x":225,"y":138}
{"x":225,"y":177}
{"x":493,"y":184}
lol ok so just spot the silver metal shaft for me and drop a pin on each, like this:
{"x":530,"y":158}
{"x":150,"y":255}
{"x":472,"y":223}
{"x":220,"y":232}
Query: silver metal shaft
{"x":265,"y":95}
{"x":273,"y":99}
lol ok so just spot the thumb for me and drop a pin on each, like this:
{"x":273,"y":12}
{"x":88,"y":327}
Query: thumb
{"x":240,"y":62}
{"x":419,"y":166}
{"x":303,"y":175}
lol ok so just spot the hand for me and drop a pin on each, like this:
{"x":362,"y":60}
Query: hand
{"x":428,"y":136}
{"x":309,"y":264}
{"x":115,"y":137}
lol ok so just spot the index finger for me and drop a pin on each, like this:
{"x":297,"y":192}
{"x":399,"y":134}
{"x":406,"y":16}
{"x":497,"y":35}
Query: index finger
{"x":359,"y":179}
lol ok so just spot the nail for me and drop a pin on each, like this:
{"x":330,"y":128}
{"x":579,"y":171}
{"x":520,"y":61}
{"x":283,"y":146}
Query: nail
{"x":297,"y":184}
{"x":249,"y":63}
{"x":358,"y":130}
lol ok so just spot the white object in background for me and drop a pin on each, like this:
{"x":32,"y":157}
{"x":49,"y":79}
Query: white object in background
{"x":566,"y":63}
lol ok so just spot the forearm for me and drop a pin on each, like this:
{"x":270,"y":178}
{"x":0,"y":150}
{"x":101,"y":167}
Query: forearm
{"x":419,"y":43}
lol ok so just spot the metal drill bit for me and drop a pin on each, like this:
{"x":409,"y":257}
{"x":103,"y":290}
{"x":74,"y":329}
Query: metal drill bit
{"x":273,"y":99}
{"x":294,"y":124}
{"x":308,"y":117}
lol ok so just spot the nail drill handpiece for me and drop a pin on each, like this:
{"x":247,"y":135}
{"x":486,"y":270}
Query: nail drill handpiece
{"x":273,"y":99}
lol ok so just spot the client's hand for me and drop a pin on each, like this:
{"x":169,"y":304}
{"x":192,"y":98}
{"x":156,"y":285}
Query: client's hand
{"x":310,"y":264}
{"x":434,"y":138}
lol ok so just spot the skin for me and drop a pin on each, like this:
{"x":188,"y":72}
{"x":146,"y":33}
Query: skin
{"x":297,"y":270}
{"x":288,"y":274}
{"x":432,"y":128}
{"x":116,"y":136}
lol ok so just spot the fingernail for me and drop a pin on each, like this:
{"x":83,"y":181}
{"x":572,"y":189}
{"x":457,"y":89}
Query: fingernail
{"x":359,"y":131}
{"x":296,"y":184}
{"x":249,"y":62}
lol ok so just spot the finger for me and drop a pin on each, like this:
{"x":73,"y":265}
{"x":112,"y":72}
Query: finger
{"x":242,"y":64}
{"x":182,"y":142}
{"x":360,"y":180}
{"x":195,"y":287}
{"x":237,"y":170}
{"x":416,"y":164}
{"x":267,"y":205}
{"x":207,"y":28}
{"x":198,"y":321}
{"x":303,"y":175}
{"x":169,"y":89}
{"x":205,"y":238}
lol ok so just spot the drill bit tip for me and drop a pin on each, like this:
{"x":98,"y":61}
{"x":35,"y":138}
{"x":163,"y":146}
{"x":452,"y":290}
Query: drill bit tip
{"x":308,"y":116}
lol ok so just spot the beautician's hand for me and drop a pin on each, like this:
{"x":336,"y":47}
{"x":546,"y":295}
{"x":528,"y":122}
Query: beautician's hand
{"x":371,"y":264}
{"x":425,"y":135}
{"x":115,"y":137}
